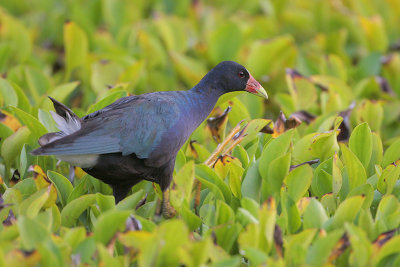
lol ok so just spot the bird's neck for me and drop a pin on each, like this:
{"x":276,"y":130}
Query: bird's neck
{"x":201,"y":101}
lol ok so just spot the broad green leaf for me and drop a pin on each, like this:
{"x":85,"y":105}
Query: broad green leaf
{"x":355,"y":169}
{"x":347,"y":211}
{"x":360,"y":143}
{"x":31,"y":122}
{"x":252,"y":180}
{"x":297,"y":246}
{"x":324,"y":145}
{"x":322,"y":180}
{"x":277,"y":172}
{"x":224,"y":42}
{"x":32,"y":233}
{"x":63,"y":91}
{"x":319,"y":252}
{"x":72,"y":211}
{"x":76,"y":47}
{"x":276,"y":148}
{"x":314,"y":216}
{"x":298,"y":181}
{"x":372,"y":113}
{"x":130,"y":202}
{"x":105,"y":202}
{"x":337,"y":178}
{"x":8,"y":97}
{"x":391,"y":154}
{"x":108,"y":224}
{"x":206,"y":173}
{"x":12,"y":146}
{"x":191,"y":220}
{"x":270,"y":57}
{"x":387,"y":214}
{"x":360,"y":244}
{"x":388,"y":178}
{"x":107,"y":100}
{"x":62,"y":184}
{"x":377,"y":153}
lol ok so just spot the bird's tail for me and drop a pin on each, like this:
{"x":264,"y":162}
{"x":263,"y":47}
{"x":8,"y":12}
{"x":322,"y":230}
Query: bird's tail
{"x":67,"y":122}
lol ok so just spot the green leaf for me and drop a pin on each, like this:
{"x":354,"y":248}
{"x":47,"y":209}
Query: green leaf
{"x":314,"y":215}
{"x":76,"y":47}
{"x":71,"y":212}
{"x":389,"y":248}
{"x":62,"y":184}
{"x":324,"y":145}
{"x":270,"y":57}
{"x":224,"y":42}
{"x":296,"y":249}
{"x":13,"y":144}
{"x":377,"y":153}
{"x":298,"y":181}
{"x":63,"y":91}
{"x":108,"y":224}
{"x":105,"y":202}
{"x":274,"y":149}
{"x":322,"y":180}
{"x":360,"y":143}
{"x":130,"y":202}
{"x":337,"y":178}
{"x":112,"y":97}
{"x":34,"y":203}
{"x":32,"y":233}
{"x":277,"y":172}
{"x":204,"y":172}
{"x":355,"y":169}
{"x":372,"y":113}
{"x":33,"y":124}
{"x":391,"y":154}
{"x":8,"y":97}
{"x":191,"y":219}
{"x":388,"y":178}
{"x":360,"y":244}
{"x":386,"y":217}
{"x":319,"y":252}
{"x":347,"y":211}
{"x":251,"y":185}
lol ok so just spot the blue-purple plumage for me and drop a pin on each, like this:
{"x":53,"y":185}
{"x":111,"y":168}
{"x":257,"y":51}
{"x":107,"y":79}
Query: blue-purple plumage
{"x":138,"y":137}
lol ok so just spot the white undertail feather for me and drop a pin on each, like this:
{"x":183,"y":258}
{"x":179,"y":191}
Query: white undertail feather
{"x":67,"y":126}
{"x":83,"y":161}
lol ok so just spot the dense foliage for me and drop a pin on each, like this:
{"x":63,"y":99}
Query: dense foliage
{"x":314,"y":185}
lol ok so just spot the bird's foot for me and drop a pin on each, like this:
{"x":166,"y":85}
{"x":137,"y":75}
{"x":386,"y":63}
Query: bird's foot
{"x":167,"y":210}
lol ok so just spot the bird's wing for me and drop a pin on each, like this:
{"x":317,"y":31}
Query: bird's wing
{"x":130,"y":125}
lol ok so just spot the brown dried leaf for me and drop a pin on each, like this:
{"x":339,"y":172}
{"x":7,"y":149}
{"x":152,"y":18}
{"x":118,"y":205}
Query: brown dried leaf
{"x":216,"y":124}
{"x":344,"y":127}
{"x":278,"y":240}
{"x":279,"y":125}
{"x":384,"y":237}
{"x":303,"y":116}
{"x":340,"y":247}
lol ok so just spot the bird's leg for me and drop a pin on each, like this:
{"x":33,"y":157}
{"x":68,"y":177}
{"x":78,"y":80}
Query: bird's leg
{"x":197,"y":196}
{"x":167,"y":210}
{"x":120,"y":192}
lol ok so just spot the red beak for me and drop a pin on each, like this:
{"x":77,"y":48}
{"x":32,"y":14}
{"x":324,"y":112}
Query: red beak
{"x":255,"y":87}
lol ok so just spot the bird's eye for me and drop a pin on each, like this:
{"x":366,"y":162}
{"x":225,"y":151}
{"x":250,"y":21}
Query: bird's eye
{"x":241,"y":74}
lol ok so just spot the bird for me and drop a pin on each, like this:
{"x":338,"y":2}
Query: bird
{"x":138,"y":137}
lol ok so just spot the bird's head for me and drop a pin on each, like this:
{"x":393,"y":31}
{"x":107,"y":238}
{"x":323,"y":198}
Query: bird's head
{"x":231,"y":76}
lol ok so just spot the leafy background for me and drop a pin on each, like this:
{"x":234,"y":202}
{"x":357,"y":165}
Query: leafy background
{"x":331,"y":65}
